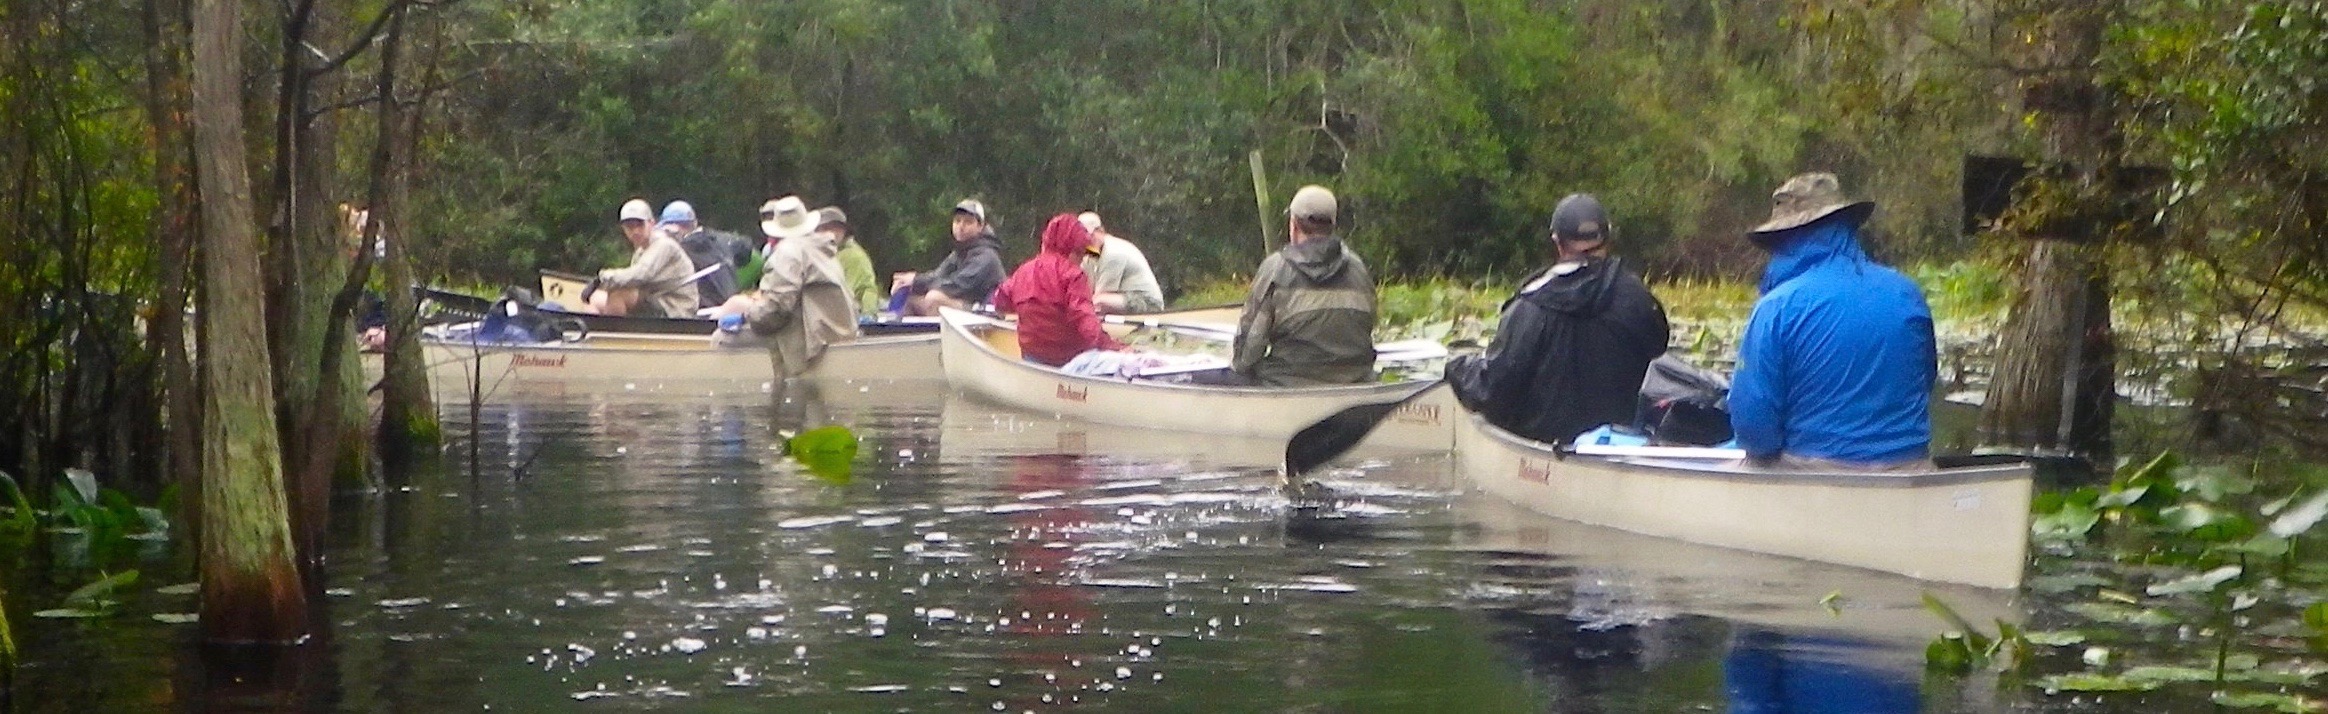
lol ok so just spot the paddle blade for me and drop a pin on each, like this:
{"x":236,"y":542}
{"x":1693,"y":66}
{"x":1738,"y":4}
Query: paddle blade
{"x":1334,"y":435}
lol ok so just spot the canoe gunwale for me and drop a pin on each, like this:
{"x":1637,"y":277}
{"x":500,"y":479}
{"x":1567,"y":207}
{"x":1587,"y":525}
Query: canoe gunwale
{"x":973,"y":330}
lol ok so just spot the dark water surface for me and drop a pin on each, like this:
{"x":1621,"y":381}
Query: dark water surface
{"x":657,"y":553}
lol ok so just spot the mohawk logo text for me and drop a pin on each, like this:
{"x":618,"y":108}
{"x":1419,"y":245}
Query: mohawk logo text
{"x":525,"y":360}
{"x":1072,"y":394}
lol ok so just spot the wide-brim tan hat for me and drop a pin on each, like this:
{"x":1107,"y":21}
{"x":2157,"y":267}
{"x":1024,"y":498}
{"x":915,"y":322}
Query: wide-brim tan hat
{"x":786,"y":217}
{"x":1808,"y":199}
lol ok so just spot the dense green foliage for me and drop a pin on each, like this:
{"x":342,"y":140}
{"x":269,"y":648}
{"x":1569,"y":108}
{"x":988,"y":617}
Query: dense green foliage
{"x":1450,"y":128}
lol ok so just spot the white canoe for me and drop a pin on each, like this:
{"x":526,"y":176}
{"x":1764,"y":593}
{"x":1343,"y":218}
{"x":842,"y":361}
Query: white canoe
{"x":609,"y":357}
{"x":982,"y":358}
{"x":1961,"y":525}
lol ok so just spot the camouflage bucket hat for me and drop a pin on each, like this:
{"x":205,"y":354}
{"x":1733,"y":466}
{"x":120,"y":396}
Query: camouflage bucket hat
{"x":1806,"y":199}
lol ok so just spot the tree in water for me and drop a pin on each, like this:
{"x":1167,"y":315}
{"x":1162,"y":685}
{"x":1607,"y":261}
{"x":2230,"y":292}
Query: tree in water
{"x":250,"y":582}
{"x":2055,"y":375}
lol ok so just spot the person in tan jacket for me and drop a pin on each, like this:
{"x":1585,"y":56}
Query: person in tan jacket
{"x":655,"y":284}
{"x":803,"y":304}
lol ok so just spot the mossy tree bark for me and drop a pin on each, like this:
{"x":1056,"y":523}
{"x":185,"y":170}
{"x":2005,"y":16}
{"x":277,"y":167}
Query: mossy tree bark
{"x":2054,"y":380}
{"x":408,"y":419}
{"x":250,"y":582}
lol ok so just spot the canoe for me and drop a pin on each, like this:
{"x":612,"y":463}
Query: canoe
{"x":471,"y":307}
{"x":981,"y":358}
{"x":1965,"y":525}
{"x":647,"y":358}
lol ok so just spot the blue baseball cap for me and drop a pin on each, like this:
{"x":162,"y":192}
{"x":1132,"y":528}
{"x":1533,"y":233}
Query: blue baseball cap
{"x":678,"y":212}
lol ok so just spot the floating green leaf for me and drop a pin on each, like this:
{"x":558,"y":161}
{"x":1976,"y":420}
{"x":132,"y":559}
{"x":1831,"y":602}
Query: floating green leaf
{"x":2112,"y":613}
{"x":2160,"y":674}
{"x":829,"y":452}
{"x":2054,"y":638}
{"x":2070,"y":522}
{"x":100,"y":592}
{"x":2207,"y":523}
{"x":2213,"y":483}
{"x":176,"y":618}
{"x":2092,"y":682}
{"x":2262,"y":546}
{"x":2200,"y":583}
{"x":68,"y":613}
{"x":2123,"y":496}
{"x":2302,"y":517}
{"x":2265,"y":700}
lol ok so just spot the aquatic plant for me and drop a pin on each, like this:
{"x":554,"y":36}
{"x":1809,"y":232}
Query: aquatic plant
{"x":2201,"y":549}
{"x":829,"y":452}
{"x":94,"y":599}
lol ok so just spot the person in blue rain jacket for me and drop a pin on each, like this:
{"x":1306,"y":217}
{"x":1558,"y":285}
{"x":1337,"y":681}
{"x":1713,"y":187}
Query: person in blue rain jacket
{"x":1838,"y":363}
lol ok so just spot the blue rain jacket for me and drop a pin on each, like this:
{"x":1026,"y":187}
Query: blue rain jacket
{"x":1838,"y":361}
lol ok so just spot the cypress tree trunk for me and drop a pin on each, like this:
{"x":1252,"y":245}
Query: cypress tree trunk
{"x":250,"y":583}
{"x":2055,"y":360}
{"x":408,"y":416}
{"x":2054,"y":380}
{"x":176,"y":231}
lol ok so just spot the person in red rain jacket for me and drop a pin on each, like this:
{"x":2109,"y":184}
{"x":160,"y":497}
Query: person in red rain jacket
{"x":1052,"y":297}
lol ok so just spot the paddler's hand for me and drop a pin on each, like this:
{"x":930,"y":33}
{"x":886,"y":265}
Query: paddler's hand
{"x":900,"y":281}
{"x":589,"y":289}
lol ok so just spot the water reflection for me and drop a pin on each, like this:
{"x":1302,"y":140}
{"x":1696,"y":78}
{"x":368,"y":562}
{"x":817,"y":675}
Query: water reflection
{"x":629,"y":548}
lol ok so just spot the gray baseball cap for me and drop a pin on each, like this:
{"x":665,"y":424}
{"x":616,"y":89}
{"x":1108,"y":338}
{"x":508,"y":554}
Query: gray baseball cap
{"x":1313,"y":203}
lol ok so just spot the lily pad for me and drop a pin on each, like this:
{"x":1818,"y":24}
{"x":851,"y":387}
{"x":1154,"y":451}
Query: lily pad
{"x":2072,"y":521}
{"x":68,"y":612}
{"x":177,"y":618}
{"x":2301,"y":517}
{"x":2265,"y":700}
{"x":2054,"y":638}
{"x":2092,"y":682}
{"x":2162,"y":674}
{"x":2122,"y":615}
{"x":180,"y":589}
{"x":2208,"y":523}
{"x":2200,"y":583}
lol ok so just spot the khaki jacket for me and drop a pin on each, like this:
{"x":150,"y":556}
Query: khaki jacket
{"x":803,"y":305}
{"x":659,"y":272}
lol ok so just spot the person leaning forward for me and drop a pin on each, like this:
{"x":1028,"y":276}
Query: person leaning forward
{"x":657,"y":273}
{"x":967,"y":276}
{"x":1838,"y":363}
{"x":1573,"y":344}
{"x":802,"y":305}
{"x":1122,"y":282}
{"x":1309,"y":319}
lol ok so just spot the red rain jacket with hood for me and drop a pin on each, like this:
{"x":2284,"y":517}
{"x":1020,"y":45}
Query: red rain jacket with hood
{"x":1052,"y":297}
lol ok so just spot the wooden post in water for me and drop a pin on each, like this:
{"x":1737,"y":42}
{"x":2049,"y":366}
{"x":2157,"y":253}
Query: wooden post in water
{"x":1261,"y":202}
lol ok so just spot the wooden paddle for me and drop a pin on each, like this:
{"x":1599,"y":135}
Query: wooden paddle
{"x":1330,"y":437}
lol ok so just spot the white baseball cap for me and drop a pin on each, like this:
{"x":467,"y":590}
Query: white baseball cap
{"x":637,"y":210}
